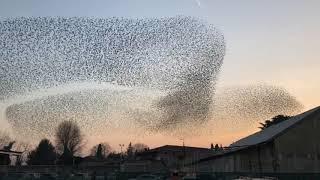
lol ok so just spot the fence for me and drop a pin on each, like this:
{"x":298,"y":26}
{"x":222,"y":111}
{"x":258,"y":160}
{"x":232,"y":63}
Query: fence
{"x":106,"y":173}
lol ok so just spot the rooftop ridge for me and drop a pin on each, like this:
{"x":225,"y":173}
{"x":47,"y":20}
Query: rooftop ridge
{"x":272,"y":131}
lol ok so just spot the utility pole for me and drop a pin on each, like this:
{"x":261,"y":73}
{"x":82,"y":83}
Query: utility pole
{"x":182,"y":139}
{"x":121,"y":154}
{"x":184,"y":152}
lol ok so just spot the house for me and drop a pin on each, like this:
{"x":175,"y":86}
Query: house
{"x":92,"y":161}
{"x":175,"y":157}
{"x":147,"y":166}
{"x":94,"y":164}
{"x":6,"y":155}
{"x":292,"y":146}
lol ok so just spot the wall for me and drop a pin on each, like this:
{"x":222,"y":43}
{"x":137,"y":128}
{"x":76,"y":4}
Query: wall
{"x":298,"y":150}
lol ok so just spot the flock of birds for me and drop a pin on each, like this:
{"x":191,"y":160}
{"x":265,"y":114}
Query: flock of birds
{"x":156,"y":74}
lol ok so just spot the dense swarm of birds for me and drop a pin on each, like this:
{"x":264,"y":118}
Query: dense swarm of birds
{"x":180,"y":56}
{"x":162,"y":53}
{"x":242,"y":107}
{"x":256,"y":100}
{"x":158,"y":74}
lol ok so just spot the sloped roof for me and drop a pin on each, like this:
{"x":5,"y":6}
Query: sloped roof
{"x":2,"y":151}
{"x":272,"y":131}
{"x":179,"y":148}
{"x":263,"y":136}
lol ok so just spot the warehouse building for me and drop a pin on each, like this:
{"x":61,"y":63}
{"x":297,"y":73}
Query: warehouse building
{"x":292,"y":146}
{"x":176,"y":157}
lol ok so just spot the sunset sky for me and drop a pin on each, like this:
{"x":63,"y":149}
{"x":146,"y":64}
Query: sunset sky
{"x":273,"y":42}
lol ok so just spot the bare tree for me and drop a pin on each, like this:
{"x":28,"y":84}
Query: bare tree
{"x":69,"y":139}
{"x":105,"y":150}
{"x":23,"y":147}
{"x":139,"y":147}
{"x":5,"y":139}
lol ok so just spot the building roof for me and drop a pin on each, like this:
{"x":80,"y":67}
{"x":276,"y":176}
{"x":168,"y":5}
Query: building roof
{"x":272,"y":131}
{"x":92,"y":159}
{"x":179,"y":148}
{"x":16,"y":153}
{"x":174,"y":148}
{"x":263,"y":136}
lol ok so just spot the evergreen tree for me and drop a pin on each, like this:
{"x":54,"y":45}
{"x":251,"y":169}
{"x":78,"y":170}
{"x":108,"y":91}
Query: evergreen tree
{"x":129,"y":150}
{"x":101,"y":150}
{"x":275,"y":120}
{"x":66,"y":158}
{"x":221,"y":148}
{"x":44,"y":154}
{"x":99,"y":154}
{"x":216,"y":147}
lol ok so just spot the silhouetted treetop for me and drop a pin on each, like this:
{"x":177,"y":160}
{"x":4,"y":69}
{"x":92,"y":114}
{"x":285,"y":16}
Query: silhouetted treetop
{"x":101,"y":150}
{"x":129,"y":150}
{"x":139,"y":147}
{"x":44,"y":154}
{"x":211,"y":146}
{"x":275,"y":120}
{"x":5,"y":139}
{"x":69,"y":137}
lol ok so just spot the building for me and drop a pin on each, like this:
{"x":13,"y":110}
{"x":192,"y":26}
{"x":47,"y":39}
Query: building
{"x":176,"y":157}
{"x":147,"y":166}
{"x":292,"y":146}
{"x":7,"y":155}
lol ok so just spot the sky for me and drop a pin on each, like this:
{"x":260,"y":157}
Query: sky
{"x":275,"y":42}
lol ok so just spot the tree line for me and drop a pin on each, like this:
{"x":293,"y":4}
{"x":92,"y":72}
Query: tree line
{"x":69,"y":142}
